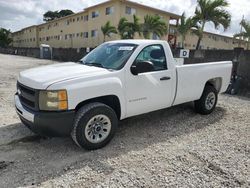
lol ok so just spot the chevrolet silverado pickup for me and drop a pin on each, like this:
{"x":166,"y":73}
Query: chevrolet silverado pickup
{"x":116,"y":80}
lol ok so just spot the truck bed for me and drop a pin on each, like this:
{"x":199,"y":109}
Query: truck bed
{"x":191,"y":79}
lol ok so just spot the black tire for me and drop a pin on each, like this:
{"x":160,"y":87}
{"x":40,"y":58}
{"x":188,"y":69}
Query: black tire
{"x":82,"y":118}
{"x":201,"y":106}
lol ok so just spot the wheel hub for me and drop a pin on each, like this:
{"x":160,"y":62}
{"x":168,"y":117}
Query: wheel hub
{"x":98,"y":128}
{"x":210,"y":101}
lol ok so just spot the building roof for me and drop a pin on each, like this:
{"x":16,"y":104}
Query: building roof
{"x":137,"y":41}
{"x":25,"y":28}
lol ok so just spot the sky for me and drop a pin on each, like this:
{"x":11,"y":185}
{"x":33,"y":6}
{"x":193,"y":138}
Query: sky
{"x":17,"y":14}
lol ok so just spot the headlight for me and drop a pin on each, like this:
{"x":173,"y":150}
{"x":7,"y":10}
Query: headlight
{"x":53,"y":100}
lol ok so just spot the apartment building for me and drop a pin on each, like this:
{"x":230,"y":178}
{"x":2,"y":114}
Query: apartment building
{"x":209,"y":41}
{"x":83,"y":29}
{"x":27,"y":37}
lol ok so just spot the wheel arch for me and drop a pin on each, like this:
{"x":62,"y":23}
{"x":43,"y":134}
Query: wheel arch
{"x":216,"y":83}
{"x":110,"y":100}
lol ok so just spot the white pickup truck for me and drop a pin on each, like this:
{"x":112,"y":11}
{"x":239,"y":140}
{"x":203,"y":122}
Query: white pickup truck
{"x":117,"y":80}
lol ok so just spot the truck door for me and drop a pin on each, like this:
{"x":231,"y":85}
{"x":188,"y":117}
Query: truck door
{"x":152,"y":89}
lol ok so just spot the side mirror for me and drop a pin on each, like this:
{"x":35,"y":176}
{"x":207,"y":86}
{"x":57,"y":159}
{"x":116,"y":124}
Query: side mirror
{"x":141,"y":67}
{"x":133,"y":70}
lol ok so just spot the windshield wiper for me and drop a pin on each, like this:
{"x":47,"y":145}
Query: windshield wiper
{"x":92,"y":64}
{"x":95,"y":64}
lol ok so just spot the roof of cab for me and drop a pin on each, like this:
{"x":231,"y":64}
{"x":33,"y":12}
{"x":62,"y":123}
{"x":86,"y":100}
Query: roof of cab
{"x":138,"y":42}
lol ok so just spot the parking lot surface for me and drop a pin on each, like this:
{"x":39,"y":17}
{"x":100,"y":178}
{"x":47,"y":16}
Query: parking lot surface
{"x":169,"y":148}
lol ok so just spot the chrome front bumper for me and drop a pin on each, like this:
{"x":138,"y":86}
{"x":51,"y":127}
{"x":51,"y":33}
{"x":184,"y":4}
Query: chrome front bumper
{"x":22,"y":112}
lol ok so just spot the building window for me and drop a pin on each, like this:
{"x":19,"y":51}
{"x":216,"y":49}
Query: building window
{"x":86,"y":18}
{"x":67,"y":22}
{"x":109,"y":10}
{"x":94,"y":33}
{"x":95,"y":14}
{"x":78,"y":19}
{"x":85,"y":35}
{"x":77,"y":34}
{"x":66,"y":37}
{"x":130,"y":11}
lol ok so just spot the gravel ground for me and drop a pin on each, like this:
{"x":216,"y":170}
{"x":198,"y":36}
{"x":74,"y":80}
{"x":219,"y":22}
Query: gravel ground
{"x":169,"y":148}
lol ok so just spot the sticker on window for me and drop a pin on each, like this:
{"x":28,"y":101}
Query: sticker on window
{"x":126,"y":48}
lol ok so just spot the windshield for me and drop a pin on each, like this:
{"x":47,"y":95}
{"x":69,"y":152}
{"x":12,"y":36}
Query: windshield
{"x":109,"y":55}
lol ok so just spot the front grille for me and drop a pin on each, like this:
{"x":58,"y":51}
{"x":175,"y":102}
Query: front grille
{"x":28,"y":96}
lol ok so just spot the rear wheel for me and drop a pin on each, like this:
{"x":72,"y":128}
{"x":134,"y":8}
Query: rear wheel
{"x":207,"y":103}
{"x":95,"y":125}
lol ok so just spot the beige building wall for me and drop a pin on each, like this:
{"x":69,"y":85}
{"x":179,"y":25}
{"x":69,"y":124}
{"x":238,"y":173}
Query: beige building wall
{"x":75,"y":31}
{"x":141,"y":11}
{"x":209,"y":41}
{"x":70,"y":31}
{"x":27,"y":37}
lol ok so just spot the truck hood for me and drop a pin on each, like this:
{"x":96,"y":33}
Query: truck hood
{"x":43,"y":77}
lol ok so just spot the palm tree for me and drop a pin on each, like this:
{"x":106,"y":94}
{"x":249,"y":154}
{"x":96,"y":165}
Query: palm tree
{"x":127,"y":30}
{"x":184,"y":27}
{"x":107,"y":30}
{"x":136,"y":26}
{"x":245,"y":35}
{"x":211,"y":11}
{"x":123,"y":28}
{"x":153,"y":25}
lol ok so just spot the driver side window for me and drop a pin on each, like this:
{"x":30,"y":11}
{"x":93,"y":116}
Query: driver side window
{"x":154,"y":54}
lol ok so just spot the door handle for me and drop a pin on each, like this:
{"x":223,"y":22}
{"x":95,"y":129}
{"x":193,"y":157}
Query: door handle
{"x":165,"y":78}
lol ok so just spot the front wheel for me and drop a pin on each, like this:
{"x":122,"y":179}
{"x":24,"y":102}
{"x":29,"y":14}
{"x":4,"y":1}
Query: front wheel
{"x":207,"y":103}
{"x":95,"y":125}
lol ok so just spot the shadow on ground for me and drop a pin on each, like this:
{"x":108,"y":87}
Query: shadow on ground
{"x":32,"y":159}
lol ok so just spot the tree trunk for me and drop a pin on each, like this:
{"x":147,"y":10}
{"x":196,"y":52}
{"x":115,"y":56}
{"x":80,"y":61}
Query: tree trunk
{"x":183,"y":41}
{"x":198,"y":43}
{"x":200,"y":35}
